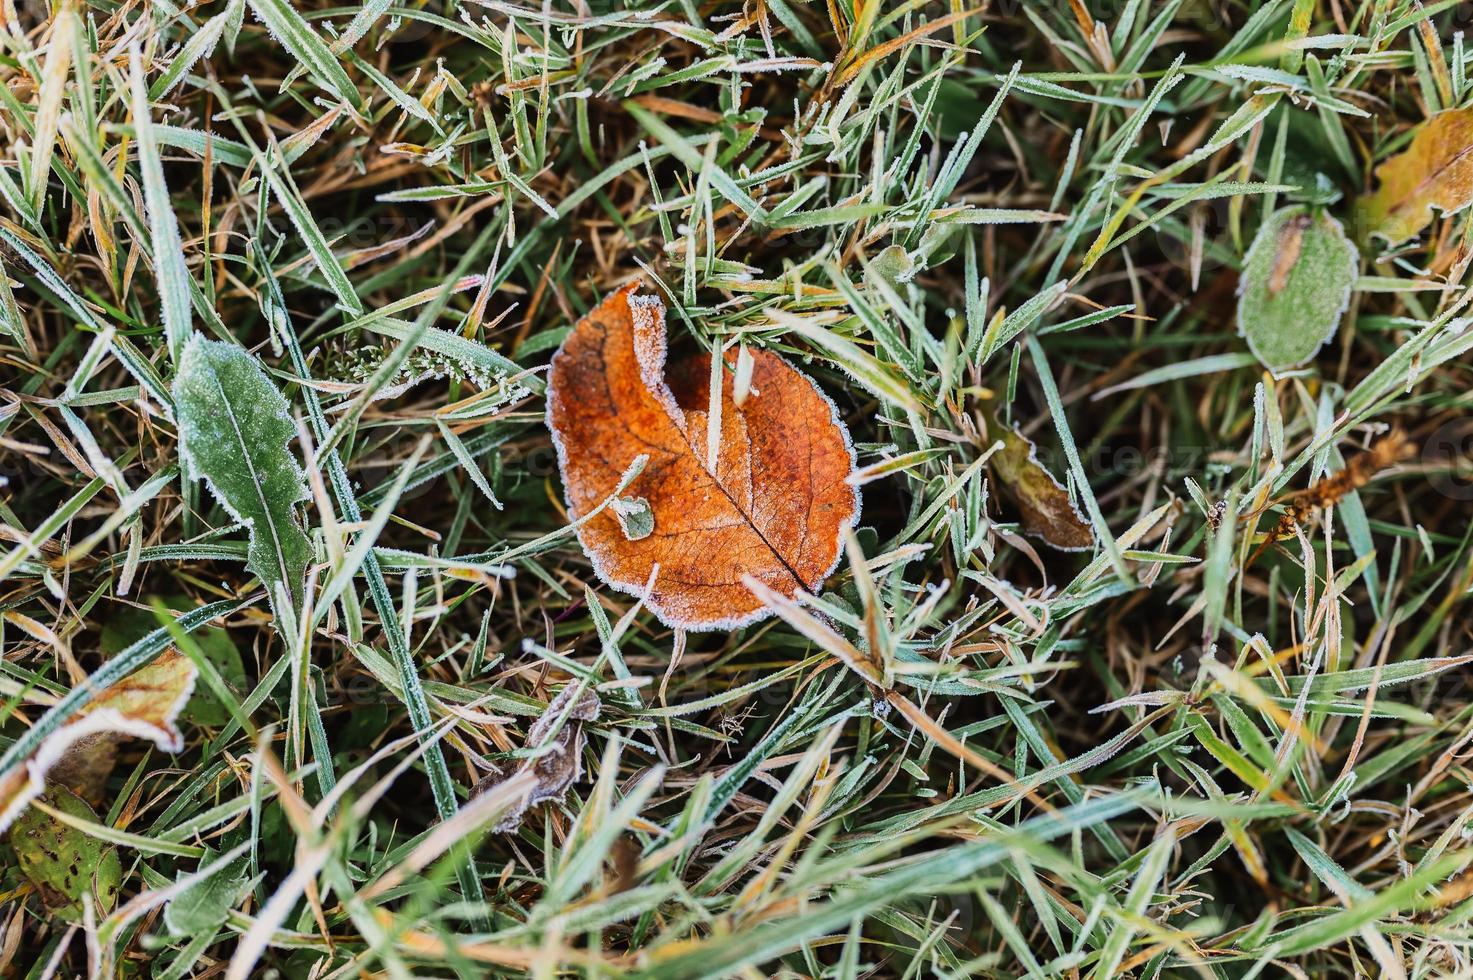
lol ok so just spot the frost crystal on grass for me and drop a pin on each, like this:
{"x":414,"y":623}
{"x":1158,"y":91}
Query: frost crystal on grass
{"x":956,"y":751}
{"x":424,"y":364}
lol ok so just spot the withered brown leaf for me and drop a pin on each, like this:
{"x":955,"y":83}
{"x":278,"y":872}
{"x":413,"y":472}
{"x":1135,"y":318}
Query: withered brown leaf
{"x":1436,"y":171}
{"x":773,"y":505}
{"x":1043,"y":502}
{"x":561,"y":764}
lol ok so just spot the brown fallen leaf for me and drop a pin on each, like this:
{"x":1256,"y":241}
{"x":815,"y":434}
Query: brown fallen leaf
{"x":1436,"y":171}
{"x":773,"y":505}
{"x":1043,"y":502}
{"x":561,"y":764}
{"x":79,"y":754}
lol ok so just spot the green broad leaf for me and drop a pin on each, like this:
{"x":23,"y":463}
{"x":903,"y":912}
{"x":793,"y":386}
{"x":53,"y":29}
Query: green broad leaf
{"x":234,"y":427}
{"x":203,"y":906}
{"x":62,"y":862}
{"x":1295,"y":286}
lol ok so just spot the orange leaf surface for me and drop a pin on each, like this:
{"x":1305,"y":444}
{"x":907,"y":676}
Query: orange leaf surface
{"x":774,"y":506}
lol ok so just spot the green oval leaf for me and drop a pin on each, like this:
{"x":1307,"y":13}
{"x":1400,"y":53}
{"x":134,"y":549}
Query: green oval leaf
{"x":1295,"y":286}
{"x":205,"y":904}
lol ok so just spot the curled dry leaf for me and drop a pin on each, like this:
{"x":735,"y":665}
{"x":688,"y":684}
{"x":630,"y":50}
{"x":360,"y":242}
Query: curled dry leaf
{"x":560,"y":765}
{"x":765,"y":498}
{"x":1436,"y":171}
{"x":1046,"y":510}
{"x":79,"y":754}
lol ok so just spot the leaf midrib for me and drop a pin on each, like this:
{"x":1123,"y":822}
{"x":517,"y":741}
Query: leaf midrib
{"x":715,"y":480}
{"x":255,"y":479}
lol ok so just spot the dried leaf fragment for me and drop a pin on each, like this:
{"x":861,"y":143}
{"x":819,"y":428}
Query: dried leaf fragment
{"x":144,"y":704}
{"x":561,"y":763}
{"x":126,"y":625}
{"x":773,"y":507}
{"x":1044,"y":505}
{"x":1436,"y":171}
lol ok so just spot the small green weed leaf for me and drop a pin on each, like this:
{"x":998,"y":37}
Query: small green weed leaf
{"x":234,"y":427}
{"x":63,"y":863}
{"x":203,"y":906}
{"x":635,"y":518}
{"x":893,"y":267}
{"x":1295,"y":286}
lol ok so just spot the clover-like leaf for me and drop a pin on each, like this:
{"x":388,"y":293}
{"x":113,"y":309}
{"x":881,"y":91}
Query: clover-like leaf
{"x":234,"y":427}
{"x":1436,"y":171}
{"x":1295,"y":286}
{"x":752,"y":489}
